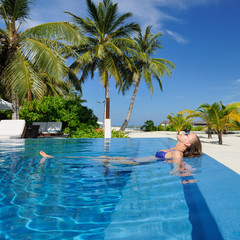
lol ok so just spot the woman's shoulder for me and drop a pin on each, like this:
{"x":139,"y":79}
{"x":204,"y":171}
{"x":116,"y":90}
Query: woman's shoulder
{"x":177,"y":154}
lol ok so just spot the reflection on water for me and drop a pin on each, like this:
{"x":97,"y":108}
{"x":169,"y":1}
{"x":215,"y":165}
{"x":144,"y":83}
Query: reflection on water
{"x":107,"y":142}
{"x":72,"y":196}
{"x":12,"y":145}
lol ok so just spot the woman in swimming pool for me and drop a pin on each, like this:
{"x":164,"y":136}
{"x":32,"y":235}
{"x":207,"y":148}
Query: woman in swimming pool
{"x":188,"y":145}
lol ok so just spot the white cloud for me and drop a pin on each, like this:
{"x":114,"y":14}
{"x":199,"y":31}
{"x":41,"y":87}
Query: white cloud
{"x":145,"y":12}
{"x":177,"y":37}
{"x":238,"y":80}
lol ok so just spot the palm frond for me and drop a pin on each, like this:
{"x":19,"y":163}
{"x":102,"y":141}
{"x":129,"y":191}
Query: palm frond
{"x":44,"y":58}
{"x":112,"y":65}
{"x":56,"y":30}
{"x":147,"y":76}
{"x":22,"y":77}
{"x":92,"y":10}
{"x":125,"y":31}
{"x":16,"y":10}
{"x":58,"y":46}
{"x":3,"y":36}
{"x":72,"y":78}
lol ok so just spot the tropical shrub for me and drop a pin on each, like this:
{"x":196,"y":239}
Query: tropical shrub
{"x":149,"y":126}
{"x":78,"y":121}
{"x":160,"y":127}
{"x":70,"y":112}
{"x":170,"y":128}
{"x":90,"y":132}
{"x":5,"y":114}
{"x":198,"y":128}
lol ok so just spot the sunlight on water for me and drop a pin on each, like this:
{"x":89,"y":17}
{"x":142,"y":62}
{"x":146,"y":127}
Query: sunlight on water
{"x":77,"y":195}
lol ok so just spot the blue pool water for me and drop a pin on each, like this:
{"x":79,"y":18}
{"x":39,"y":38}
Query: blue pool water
{"x":77,"y":196}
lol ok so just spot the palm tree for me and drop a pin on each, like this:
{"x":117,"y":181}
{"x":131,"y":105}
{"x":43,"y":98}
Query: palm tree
{"x":217,"y":116}
{"x":28,"y":57}
{"x":221,"y":117}
{"x":108,"y":37}
{"x":203,"y":112}
{"x":179,"y":121}
{"x":146,"y":66}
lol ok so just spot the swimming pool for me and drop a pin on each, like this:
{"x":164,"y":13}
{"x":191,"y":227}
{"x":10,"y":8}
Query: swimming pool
{"x":76,"y":196}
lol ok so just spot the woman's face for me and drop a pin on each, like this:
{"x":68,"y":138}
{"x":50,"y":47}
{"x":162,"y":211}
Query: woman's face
{"x":186,"y":139}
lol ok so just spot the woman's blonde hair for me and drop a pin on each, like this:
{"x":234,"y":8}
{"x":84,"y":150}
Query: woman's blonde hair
{"x":195,"y":149}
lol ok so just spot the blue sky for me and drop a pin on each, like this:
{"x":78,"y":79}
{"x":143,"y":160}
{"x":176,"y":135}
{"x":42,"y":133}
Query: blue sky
{"x":201,"y":37}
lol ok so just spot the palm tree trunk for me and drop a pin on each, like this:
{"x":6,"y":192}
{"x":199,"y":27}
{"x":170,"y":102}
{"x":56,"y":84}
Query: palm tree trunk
{"x":209,"y":133}
{"x":123,"y":127}
{"x":220,"y":137}
{"x":106,"y":96}
{"x":15,"y":107}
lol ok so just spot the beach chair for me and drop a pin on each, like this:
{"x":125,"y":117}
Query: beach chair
{"x":42,"y":126}
{"x":49,"y":128}
{"x":53,"y":128}
{"x":12,"y":129}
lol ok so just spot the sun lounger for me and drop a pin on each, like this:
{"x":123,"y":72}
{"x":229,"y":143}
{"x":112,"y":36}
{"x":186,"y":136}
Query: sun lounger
{"x":42,"y":126}
{"x":53,"y":128}
{"x":12,"y":128}
{"x":49,"y":128}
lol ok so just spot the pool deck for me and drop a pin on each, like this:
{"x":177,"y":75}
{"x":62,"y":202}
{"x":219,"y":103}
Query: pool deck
{"x":228,"y":153}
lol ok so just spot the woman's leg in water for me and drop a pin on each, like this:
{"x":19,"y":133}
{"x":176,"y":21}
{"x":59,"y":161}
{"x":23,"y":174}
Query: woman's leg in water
{"x":43,"y":154}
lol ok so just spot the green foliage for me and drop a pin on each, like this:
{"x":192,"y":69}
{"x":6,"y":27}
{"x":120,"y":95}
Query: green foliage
{"x":198,"y":128}
{"x":107,"y":35}
{"x":149,"y":126}
{"x":70,"y":112}
{"x":218,"y":117}
{"x":85,"y":131}
{"x":189,"y":126}
{"x":91,"y":132}
{"x":146,"y":67}
{"x":160,"y":127}
{"x":118,"y":134}
{"x":170,"y":128}
{"x":31,"y":61}
{"x":78,"y":121}
{"x":5,"y":114}
{"x":235,"y":125}
{"x":221,"y":117}
{"x":179,"y":122}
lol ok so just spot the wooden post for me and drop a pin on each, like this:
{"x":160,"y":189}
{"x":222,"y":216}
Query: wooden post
{"x":107,"y":108}
{"x":107,"y":123}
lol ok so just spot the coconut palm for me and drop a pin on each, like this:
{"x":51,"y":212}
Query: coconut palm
{"x":29,"y":56}
{"x":108,"y":37}
{"x":146,"y":66}
{"x":217,"y":116}
{"x":221,"y":117}
{"x":179,"y":121}
{"x":203,"y":112}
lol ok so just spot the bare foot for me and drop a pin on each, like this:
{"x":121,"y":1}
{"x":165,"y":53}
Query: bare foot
{"x":43,"y":154}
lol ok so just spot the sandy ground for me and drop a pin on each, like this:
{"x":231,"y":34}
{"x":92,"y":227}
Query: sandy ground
{"x":228,"y":153}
